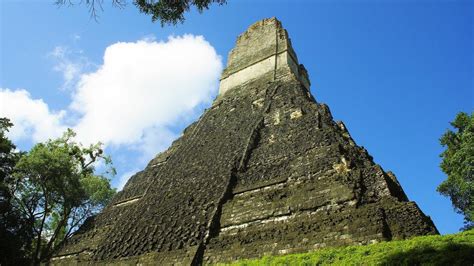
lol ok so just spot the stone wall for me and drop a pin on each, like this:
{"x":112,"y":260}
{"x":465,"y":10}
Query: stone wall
{"x":307,"y":185}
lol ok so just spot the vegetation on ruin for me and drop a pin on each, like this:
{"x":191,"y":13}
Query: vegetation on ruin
{"x":454,"y":249}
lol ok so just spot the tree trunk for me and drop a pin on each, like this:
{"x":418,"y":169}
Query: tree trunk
{"x":36,"y":258}
{"x":48,"y":252}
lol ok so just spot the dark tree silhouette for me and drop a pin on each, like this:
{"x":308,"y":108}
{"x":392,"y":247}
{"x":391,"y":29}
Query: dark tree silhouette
{"x":15,"y":233}
{"x":165,"y":11}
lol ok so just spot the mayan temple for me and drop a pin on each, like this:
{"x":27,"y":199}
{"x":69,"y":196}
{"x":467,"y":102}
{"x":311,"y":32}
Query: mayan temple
{"x":265,"y":170}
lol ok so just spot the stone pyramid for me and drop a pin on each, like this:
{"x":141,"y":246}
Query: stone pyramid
{"x":265,"y":170}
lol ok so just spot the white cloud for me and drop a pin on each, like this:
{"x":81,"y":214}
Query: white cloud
{"x":32,"y":118}
{"x":149,"y":38}
{"x":75,"y":37}
{"x":145,"y":85}
{"x":71,"y":64}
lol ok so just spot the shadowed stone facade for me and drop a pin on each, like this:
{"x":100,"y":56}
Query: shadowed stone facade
{"x":265,"y":170}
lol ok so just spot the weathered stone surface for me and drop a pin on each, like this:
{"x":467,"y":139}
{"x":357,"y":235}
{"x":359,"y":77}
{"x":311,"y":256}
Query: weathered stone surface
{"x":265,"y":170}
{"x":262,"y":52}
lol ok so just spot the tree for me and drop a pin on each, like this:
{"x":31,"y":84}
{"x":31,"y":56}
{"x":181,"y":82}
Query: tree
{"x":166,"y":11}
{"x":458,"y":164}
{"x":55,"y":187}
{"x":14,"y":228}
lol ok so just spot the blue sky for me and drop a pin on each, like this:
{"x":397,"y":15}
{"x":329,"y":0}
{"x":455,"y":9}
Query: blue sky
{"x":396,"y":72}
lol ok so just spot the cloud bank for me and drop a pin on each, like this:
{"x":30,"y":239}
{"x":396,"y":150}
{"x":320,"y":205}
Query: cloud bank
{"x":141,"y":90}
{"x":144,"y":85}
{"x":32,"y":118}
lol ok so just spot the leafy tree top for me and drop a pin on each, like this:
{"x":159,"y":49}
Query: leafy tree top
{"x":57,"y":188}
{"x":165,"y":11}
{"x":458,"y":164}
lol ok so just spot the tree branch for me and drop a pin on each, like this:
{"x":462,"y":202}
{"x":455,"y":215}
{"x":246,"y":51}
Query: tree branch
{"x":49,"y":247}
{"x":37,"y":258}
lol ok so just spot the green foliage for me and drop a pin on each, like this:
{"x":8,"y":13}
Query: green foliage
{"x":456,"y":249}
{"x":458,"y":164}
{"x":171,"y":11}
{"x":55,"y":186}
{"x":166,"y":11}
{"x":14,"y":228}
